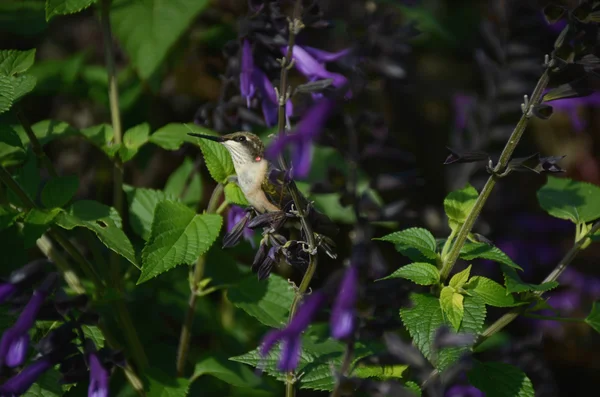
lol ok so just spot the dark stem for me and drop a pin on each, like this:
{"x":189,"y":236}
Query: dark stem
{"x":35,"y":143}
{"x":186,"y":329}
{"x":346,"y":361}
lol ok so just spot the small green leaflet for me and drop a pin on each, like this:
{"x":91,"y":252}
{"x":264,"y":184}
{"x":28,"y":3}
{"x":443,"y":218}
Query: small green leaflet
{"x":234,"y":195}
{"x":142,"y":203}
{"x":7,"y":94}
{"x":22,"y":85}
{"x":571,"y":200}
{"x":47,"y":130}
{"x":491,"y":292}
{"x":172,"y":136}
{"x":500,"y":380}
{"x":13,"y":61}
{"x":419,"y":273}
{"x":102,"y":136}
{"x":104,"y":221}
{"x":37,"y":223}
{"x":268,"y":301}
{"x":593,"y":319}
{"x":59,"y":191}
{"x":458,"y":204}
{"x":10,"y":143}
{"x":230,"y":372}
{"x":185,"y":183}
{"x":161,"y":384}
{"x":217,"y":158}
{"x":513,"y":282}
{"x":133,"y":139}
{"x":472,"y":251}
{"x":47,"y":385}
{"x":7,"y":217}
{"x":418,"y":238}
{"x":451,"y":303}
{"x":65,"y":7}
{"x":178,"y":236}
{"x":460,"y":278}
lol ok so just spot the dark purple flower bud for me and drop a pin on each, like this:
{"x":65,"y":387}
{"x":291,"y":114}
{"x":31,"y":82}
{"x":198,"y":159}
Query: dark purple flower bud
{"x":466,"y":157}
{"x":237,"y":221}
{"x":99,"y":377}
{"x":572,"y":106}
{"x":309,"y":66}
{"x":247,"y":88}
{"x":342,"y":319}
{"x":273,"y":219}
{"x":300,"y":141}
{"x":290,"y":336}
{"x":6,"y":290}
{"x":15,"y":340}
{"x":21,"y":382}
{"x":325,"y":56}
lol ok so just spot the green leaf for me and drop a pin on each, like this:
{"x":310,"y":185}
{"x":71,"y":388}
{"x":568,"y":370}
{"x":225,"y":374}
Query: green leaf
{"x":418,"y":238}
{"x":180,"y":185}
{"x":425,"y":317}
{"x":10,"y":144}
{"x":460,"y":278}
{"x":572,"y":200}
{"x":234,"y":195}
{"x":22,"y":85}
{"x":133,"y":139}
{"x":410,"y":385}
{"x":268,"y":301}
{"x":102,"y":136}
{"x":419,"y":273}
{"x":217,"y":158}
{"x":163,"y":385}
{"x":173,"y":135}
{"x":59,"y":191}
{"x":500,"y":380}
{"x":178,"y":236}
{"x":104,"y":221}
{"x":458,"y":204}
{"x":47,"y":130}
{"x":7,"y":217}
{"x":142,"y":203}
{"x":148,"y":29}
{"x":95,"y":334}
{"x":514,"y":284}
{"x":230,"y":372}
{"x":28,"y":178}
{"x":65,"y":7}
{"x":593,"y":319}
{"x":7,"y":93}
{"x":37,"y":223}
{"x":47,"y":385}
{"x":14,"y":61}
{"x":485,"y":251}
{"x":380,"y":372}
{"x":451,"y":303}
{"x":491,"y":292}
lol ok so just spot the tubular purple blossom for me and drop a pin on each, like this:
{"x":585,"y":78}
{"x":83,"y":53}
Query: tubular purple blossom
{"x":270,"y":102}
{"x":311,"y":67}
{"x":15,"y":340}
{"x":21,"y":382}
{"x":290,"y":336}
{"x":300,"y":141}
{"x":239,"y":217}
{"x":247,"y":88}
{"x":99,"y":377}
{"x":342,"y":319}
{"x":6,"y":290}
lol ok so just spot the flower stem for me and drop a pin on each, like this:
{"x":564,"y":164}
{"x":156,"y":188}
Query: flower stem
{"x":45,"y":245}
{"x":186,"y":329}
{"x":346,"y":361}
{"x":35,"y":143}
{"x":491,"y":182}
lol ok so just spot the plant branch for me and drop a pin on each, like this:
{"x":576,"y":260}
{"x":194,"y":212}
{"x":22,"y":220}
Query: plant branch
{"x":45,"y":245}
{"x":512,"y":143}
{"x":35,"y":143}
{"x":113,"y":96}
{"x":186,"y":329}
{"x":346,"y":361}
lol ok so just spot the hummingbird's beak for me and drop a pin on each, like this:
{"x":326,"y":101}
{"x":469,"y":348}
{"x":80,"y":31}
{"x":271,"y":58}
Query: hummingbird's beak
{"x":209,"y":137}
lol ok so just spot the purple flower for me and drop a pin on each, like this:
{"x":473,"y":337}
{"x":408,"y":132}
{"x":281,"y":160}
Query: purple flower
{"x":247,"y":87}
{"x":21,"y":382}
{"x":235,"y":215}
{"x":311,"y":63}
{"x":270,"y":102}
{"x":6,"y":290}
{"x":300,"y":141}
{"x":98,"y":377}
{"x":463,"y":391}
{"x":15,"y":340}
{"x":290,"y":336}
{"x":572,"y":106}
{"x":342,"y":316}
{"x":462,"y":106}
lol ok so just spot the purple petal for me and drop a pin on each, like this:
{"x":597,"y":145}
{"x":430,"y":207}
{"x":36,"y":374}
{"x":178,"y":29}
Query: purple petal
{"x":462,"y":104}
{"x":270,"y":339}
{"x":342,"y":315}
{"x":464,"y":391}
{"x":21,"y":382}
{"x":325,"y":56}
{"x":247,"y":70}
{"x":290,"y":353}
{"x":265,"y":87}
{"x":17,"y":351}
{"x":99,"y":378}
{"x":306,"y":312}
{"x":302,"y":158}
{"x":6,"y":290}
{"x":235,"y":214}
{"x":306,"y":64}
{"x":312,"y":122}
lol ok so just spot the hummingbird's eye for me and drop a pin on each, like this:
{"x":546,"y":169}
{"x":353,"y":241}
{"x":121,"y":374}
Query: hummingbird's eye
{"x":240,"y":138}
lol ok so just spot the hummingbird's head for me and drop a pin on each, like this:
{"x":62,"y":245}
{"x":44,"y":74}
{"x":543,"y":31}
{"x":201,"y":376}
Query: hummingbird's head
{"x":244,"y":147}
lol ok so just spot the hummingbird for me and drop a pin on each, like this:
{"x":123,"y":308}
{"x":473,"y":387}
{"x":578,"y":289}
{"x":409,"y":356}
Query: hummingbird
{"x":261,"y":183}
